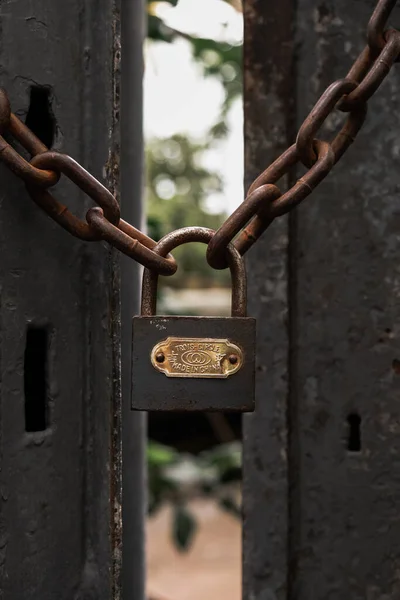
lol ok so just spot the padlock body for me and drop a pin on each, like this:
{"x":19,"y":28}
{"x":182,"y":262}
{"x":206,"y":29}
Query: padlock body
{"x":184,"y":363}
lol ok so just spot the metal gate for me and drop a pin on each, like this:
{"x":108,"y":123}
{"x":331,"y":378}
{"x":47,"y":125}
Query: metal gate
{"x":321,"y":489}
{"x":321,"y":484}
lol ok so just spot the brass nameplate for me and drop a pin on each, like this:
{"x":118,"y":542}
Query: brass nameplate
{"x":196,"y":357}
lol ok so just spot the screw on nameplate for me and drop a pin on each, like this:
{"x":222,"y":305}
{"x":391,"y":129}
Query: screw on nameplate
{"x":197,"y":357}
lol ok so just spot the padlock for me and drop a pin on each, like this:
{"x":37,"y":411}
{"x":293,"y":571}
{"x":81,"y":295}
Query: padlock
{"x":193,"y":363}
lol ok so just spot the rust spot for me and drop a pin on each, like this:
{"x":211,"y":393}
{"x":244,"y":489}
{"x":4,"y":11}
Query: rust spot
{"x":321,"y":418}
{"x":323,"y":12}
{"x":396,"y":366}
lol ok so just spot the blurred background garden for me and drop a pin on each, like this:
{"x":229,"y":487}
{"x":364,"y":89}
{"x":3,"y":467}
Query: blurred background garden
{"x":194,"y":176}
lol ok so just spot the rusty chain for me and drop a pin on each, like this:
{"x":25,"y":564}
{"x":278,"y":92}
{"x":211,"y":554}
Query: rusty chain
{"x":264,"y":201}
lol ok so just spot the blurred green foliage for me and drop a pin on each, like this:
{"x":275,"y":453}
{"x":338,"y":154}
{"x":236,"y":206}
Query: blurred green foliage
{"x":177,"y":183}
{"x":177,"y":187}
{"x":218,"y":59}
{"x":176,"y":478}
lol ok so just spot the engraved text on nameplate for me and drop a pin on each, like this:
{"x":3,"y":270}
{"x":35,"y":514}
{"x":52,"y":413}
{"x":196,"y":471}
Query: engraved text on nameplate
{"x":197,"y":357}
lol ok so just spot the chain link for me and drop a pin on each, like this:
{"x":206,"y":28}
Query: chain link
{"x":377,"y":23}
{"x":44,"y":170}
{"x":22,"y":134}
{"x":264,"y":201}
{"x":348,"y":95}
{"x":130,"y":241}
{"x":62,"y":163}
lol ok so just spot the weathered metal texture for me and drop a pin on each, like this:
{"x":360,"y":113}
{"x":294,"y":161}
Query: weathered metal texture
{"x":347,"y":335}
{"x":152,"y":390}
{"x":321,"y":483}
{"x":134,"y":506}
{"x":60,"y":490}
{"x":269,"y":101}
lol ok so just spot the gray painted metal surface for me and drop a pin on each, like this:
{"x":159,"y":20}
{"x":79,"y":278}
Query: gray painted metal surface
{"x":60,"y":488}
{"x":322,"y":487}
{"x":268,"y":106}
{"x":134,"y":423}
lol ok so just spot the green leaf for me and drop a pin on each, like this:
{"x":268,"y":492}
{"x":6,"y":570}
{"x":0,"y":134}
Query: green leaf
{"x":229,"y":505}
{"x":173,"y":2}
{"x":160,"y":455}
{"x":157,"y":30}
{"x":219,"y":130}
{"x":227,"y":459}
{"x":183,"y":529}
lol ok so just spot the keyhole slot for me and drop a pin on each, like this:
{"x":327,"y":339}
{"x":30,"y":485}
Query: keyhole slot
{"x":40,"y":118}
{"x":35,"y":379}
{"x":354,"y":432}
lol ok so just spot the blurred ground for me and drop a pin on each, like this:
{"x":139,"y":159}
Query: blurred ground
{"x":211,"y":570}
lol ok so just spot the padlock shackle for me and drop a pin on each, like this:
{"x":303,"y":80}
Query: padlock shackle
{"x":184,"y":236}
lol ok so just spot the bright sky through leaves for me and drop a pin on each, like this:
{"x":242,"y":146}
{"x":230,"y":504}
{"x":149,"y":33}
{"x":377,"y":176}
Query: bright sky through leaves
{"x":179,"y":100}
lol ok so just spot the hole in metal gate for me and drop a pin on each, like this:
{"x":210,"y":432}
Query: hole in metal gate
{"x":35,"y":378}
{"x":193,"y":533}
{"x":354,"y":439}
{"x":40,"y":117}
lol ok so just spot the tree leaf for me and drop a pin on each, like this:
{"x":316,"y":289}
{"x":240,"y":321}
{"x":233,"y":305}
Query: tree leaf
{"x":157,"y":30}
{"x":183,"y":528}
{"x":160,"y":455}
{"x":229,"y":505}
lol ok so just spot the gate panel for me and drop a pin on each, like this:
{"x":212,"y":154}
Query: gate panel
{"x":347,"y":335}
{"x":59,"y":311}
{"x":268,"y":103}
{"x":321,"y":484}
{"x":133,"y":28}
